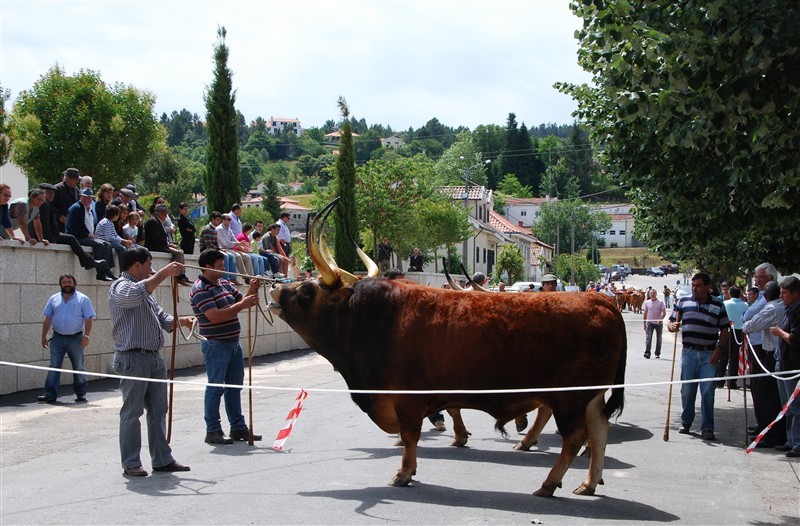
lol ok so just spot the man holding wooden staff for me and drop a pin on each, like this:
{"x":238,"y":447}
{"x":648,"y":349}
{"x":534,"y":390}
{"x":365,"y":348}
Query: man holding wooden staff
{"x":704,"y":325}
{"x":216,"y":303}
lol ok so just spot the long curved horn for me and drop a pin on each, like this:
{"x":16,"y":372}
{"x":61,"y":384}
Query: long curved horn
{"x":327,"y":275}
{"x":328,"y":257}
{"x":372,"y":269}
{"x":453,"y":284}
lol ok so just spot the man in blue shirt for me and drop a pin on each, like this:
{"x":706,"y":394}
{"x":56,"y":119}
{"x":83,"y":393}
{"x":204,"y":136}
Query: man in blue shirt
{"x":69,"y":313}
{"x":729,"y":361}
{"x":702,"y":320}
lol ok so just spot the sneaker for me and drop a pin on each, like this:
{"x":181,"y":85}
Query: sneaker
{"x":243,"y":435}
{"x":81,"y":400}
{"x":439,"y":426}
{"x":278,"y":275}
{"x":217,"y":437}
{"x":46,"y":399}
{"x":709,"y":435}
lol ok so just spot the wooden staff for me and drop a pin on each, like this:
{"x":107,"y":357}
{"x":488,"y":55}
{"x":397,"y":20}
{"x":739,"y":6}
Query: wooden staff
{"x":172,"y":361}
{"x":250,"y":440}
{"x":671,"y":378}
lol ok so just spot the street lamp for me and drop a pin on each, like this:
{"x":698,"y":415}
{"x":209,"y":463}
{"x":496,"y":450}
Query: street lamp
{"x":465,"y":197}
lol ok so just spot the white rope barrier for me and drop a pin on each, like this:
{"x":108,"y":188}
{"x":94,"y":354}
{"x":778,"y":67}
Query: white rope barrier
{"x":397,"y":391}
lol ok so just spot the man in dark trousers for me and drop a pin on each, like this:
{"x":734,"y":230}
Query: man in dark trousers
{"x":51,"y":230}
{"x":155,"y":239}
{"x":186,"y":228}
{"x":81,"y":220}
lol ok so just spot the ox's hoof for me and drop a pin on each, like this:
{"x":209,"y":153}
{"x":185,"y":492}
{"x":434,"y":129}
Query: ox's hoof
{"x":460,"y":440}
{"x":400,"y":480}
{"x":544,"y":492}
{"x":584,"y":490}
{"x":520,"y":446}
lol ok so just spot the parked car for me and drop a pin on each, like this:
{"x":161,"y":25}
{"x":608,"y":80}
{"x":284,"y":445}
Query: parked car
{"x":602,"y":268}
{"x":521,"y":286}
{"x":681,"y":291}
{"x":625,"y":270}
{"x":615,"y":275}
{"x":654,"y":271}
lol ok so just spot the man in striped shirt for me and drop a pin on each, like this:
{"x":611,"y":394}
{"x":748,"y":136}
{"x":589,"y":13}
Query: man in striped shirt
{"x":704,"y":323}
{"x":217,"y":304}
{"x":138,"y":329}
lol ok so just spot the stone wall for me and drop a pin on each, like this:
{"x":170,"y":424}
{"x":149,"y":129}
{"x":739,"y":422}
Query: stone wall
{"x":29,"y":276}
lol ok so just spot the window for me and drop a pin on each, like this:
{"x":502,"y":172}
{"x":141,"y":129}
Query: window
{"x":523,"y":213}
{"x":477,"y":255}
{"x":612,"y":232}
{"x":622,"y":232}
{"x":484,"y":255}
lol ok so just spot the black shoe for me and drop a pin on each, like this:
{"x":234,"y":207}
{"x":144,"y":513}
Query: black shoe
{"x":647,"y":355}
{"x":782,"y":447}
{"x":102,"y":276}
{"x":99,"y":264}
{"x":217,"y":437}
{"x":173,"y":466}
{"x":708,"y":435}
{"x":658,"y":356}
{"x":138,"y":471}
{"x":46,"y":399}
{"x":684,"y":430}
{"x":81,"y":400}
{"x":111,"y":275}
{"x":793,"y":453}
{"x":243,"y":434}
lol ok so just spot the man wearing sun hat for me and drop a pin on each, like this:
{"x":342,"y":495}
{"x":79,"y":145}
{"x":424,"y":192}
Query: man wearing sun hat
{"x":549,"y":282}
{"x":81,"y":220}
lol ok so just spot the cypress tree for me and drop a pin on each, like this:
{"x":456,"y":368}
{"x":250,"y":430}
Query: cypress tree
{"x":270,"y":201}
{"x":222,"y":154}
{"x":346,"y":217}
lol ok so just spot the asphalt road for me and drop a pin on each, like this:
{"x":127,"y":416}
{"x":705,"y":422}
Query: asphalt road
{"x":60,"y":463}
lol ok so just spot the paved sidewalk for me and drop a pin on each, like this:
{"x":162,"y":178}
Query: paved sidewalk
{"x":60,"y":463}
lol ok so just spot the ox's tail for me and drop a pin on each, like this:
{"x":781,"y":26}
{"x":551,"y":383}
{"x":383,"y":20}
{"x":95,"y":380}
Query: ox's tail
{"x":616,"y":402}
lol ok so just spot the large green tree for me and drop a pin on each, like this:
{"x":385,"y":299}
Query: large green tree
{"x":107,"y":132}
{"x":222,"y":182}
{"x":558,"y":221}
{"x":5,"y":140}
{"x":695,"y":107}
{"x":346,"y":224}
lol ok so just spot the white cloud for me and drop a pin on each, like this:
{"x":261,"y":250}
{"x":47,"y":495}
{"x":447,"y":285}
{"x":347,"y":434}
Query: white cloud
{"x":397,"y":63}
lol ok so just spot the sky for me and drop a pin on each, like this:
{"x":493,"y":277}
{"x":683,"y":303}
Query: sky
{"x":397,"y":63}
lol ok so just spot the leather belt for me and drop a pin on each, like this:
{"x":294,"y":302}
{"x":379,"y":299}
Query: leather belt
{"x":140,"y":350}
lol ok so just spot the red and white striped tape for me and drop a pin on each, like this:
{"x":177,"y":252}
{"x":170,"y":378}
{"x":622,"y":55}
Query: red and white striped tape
{"x":796,"y":392}
{"x":291,"y":418}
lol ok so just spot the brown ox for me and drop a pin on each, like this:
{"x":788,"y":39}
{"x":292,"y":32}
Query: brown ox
{"x":385,"y":335}
{"x":635,"y":300}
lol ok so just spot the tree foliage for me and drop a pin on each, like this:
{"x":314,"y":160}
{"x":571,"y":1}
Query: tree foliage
{"x":5,"y":140}
{"x":346,"y":224}
{"x":556,"y":224}
{"x":695,"y":107}
{"x":270,"y":201}
{"x":222,"y":180}
{"x":510,"y":263}
{"x":564,"y":265}
{"x":107,"y":132}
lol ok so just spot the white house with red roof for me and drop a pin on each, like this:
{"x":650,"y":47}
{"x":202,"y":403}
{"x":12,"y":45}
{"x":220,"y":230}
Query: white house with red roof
{"x":277,"y":124}
{"x":526,"y":210}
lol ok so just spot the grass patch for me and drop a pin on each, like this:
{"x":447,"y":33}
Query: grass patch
{"x":643,"y":257}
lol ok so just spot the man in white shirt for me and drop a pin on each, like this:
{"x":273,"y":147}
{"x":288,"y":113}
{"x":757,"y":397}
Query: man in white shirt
{"x":284,"y":235}
{"x":653,"y":314}
{"x":236,"y":222}
{"x":227,"y":243}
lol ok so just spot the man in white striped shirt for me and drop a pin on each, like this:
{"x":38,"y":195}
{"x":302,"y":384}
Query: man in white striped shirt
{"x":138,"y":325}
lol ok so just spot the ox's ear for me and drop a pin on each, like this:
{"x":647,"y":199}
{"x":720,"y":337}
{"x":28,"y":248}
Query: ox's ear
{"x":340,"y":296}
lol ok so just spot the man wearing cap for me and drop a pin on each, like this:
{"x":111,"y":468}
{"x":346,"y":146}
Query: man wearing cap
{"x":66,"y":194}
{"x":549,"y":282}
{"x":125,"y":199}
{"x":51,"y":230}
{"x":136,"y":205}
{"x":81,"y":220}
{"x":155,"y":239}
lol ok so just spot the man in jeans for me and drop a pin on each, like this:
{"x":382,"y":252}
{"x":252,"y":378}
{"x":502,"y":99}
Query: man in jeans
{"x":69,"y":313}
{"x":703,"y":322}
{"x":216,"y":304}
{"x":653,"y":313}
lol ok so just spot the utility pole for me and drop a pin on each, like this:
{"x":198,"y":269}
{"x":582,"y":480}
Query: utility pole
{"x":572,"y":248}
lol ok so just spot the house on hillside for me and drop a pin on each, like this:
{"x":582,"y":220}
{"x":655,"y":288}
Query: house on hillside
{"x":335,"y":137}
{"x":299,"y":215}
{"x":622,"y":232}
{"x":392,"y":142}
{"x":277,"y":124}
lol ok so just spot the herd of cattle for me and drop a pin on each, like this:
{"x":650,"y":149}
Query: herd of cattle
{"x":631,"y":299}
{"x":406,"y":351}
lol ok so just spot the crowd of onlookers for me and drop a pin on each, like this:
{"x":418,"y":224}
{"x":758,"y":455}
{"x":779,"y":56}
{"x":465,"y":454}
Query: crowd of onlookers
{"x":109,"y":220}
